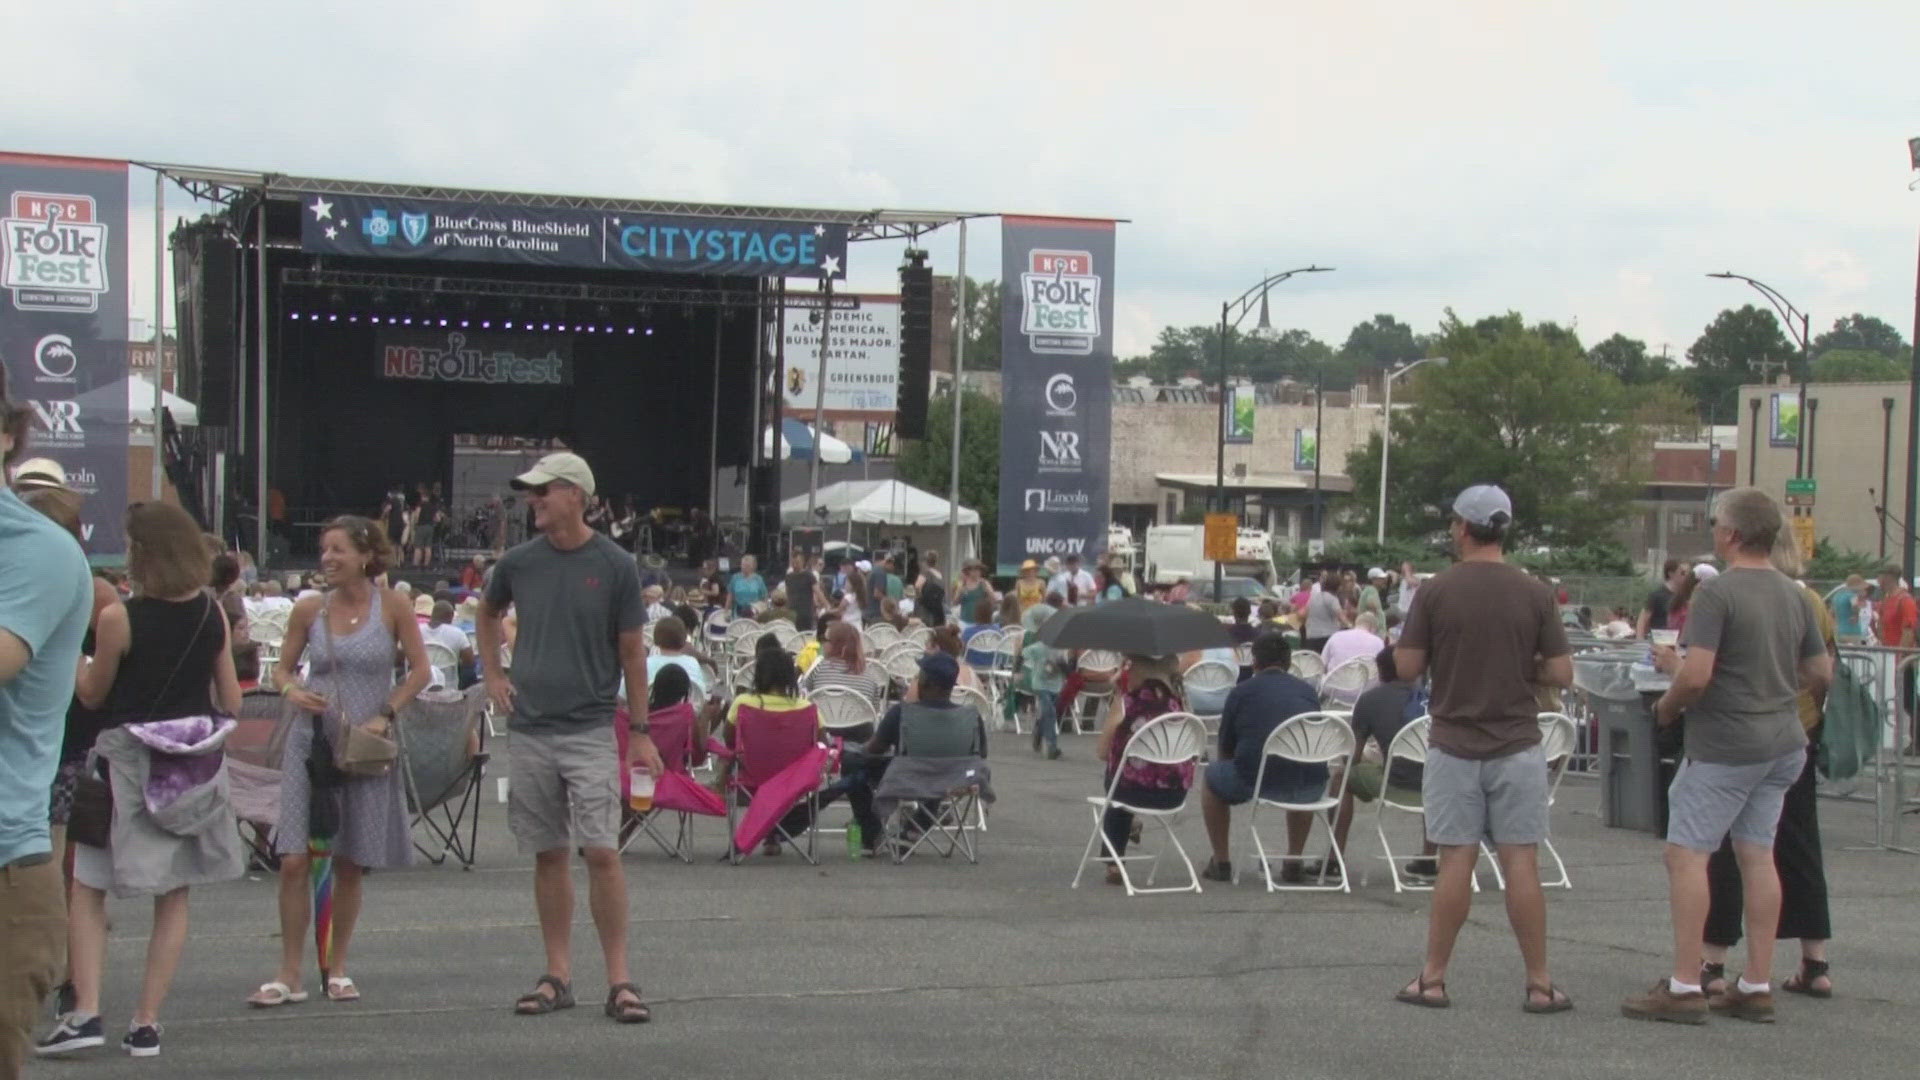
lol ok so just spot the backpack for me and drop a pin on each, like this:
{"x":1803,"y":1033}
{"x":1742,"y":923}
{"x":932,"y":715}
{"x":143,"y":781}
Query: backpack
{"x":1850,"y":729}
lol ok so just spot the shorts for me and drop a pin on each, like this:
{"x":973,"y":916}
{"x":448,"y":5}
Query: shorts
{"x":1706,"y":801}
{"x":1501,"y":799}
{"x":1363,"y":783}
{"x":93,"y":866}
{"x":1285,"y":781}
{"x":34,"y":912}
{"x":563,"y":789}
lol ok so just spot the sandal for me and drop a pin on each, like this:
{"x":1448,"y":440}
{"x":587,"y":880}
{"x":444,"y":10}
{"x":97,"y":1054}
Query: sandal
{"x":1217,"y":871}
{"x":633,"y":1011}
{"x":275,"y":994}
{"x":1415,"y":993}
{"x":1711,"y":973}
{"x":1557,"y":1000}
{"x":1114,"y":877}
{"x":1801,"y":982}
{"x":341,"y":988}
{"x":536,"y":1003}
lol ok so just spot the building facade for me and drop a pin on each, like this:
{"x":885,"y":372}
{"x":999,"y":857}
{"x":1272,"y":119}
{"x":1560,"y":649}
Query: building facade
{"x":1856,"y":435}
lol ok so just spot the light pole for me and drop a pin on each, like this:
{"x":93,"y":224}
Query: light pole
{"x":1386,"y":435}
{"x":1789,"y":313}
{"x":1232,"y":313}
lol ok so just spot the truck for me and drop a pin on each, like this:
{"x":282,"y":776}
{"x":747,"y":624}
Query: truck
{"x":1178,"y":551}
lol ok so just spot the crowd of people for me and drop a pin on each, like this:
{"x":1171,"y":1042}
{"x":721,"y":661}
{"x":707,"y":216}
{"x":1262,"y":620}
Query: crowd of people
{"x":107,"y":696}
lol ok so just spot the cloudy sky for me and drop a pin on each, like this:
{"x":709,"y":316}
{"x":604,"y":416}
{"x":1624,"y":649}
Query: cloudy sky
{"x":1581,"y":162}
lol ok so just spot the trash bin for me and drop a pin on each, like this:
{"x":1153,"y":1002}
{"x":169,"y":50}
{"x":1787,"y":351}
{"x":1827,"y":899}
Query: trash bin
{"x":1633,"y":776}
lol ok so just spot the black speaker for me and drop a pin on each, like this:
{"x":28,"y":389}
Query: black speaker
{"x":916,"y":345}
{"x":206,"y":265}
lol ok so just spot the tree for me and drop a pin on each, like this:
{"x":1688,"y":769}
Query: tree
{"x":1857,"y":365}
{"x":927,"y":463}
{"x":1738,"y":347}
{"x":1195,"y":351}
{"x":1381,"y":341}
{"x":1522,"y":407}
{"x":982,"y":323}
{"x":1627,"y":359}
{"x":1866,"y":333}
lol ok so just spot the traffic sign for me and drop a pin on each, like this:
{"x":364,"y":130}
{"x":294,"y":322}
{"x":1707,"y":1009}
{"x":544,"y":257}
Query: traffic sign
{"x":1801,"y":490}
{"x":1222,"y":539}
{"x":1803,"y":532}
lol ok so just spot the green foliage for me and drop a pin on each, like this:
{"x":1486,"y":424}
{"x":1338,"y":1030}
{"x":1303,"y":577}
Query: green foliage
{"x":1381,"y":341}
{"x":1733,"y":351}
{"x":1600,"y":557}
{"x":927,"y":463}
{"x":1867,"y":334}
{"x":1195,"y":351}
{"x":1627,"y":359}
{"x":982,"y":319}
{"x":1857,"y":365}
{"x":1834,"y":564}
{"x":1520,"y":406}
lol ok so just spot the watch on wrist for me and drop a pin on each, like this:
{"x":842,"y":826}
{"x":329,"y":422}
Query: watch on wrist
{"x":641,"y":728}
{"x":387,"y":712}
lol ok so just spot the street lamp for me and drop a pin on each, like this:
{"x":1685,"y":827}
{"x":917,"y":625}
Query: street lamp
{"x":1228,"y":320}
{"x":1386,"y":435}
{"x":1789,"y":313}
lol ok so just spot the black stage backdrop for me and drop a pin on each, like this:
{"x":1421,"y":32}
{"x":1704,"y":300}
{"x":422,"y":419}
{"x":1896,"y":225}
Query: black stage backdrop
{"x":637,"y":407}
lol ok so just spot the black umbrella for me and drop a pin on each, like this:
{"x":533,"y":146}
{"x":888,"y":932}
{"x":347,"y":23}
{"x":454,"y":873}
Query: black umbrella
{"x":1135,"y":626}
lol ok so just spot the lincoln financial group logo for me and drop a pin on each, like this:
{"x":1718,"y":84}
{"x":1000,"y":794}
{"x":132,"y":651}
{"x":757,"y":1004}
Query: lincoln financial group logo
{"x":54,"y":252}
{"x":1054,"y":501}
{"x":1060,"y":302}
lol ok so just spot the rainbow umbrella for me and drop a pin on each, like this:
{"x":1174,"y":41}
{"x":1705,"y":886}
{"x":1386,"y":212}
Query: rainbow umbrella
{"x":321,"y":875}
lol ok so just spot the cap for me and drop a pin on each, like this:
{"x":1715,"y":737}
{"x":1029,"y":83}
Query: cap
{"x":561,"y":466}
{"x":940,"y":669}
{"x":39,"y":473}
{"x":863,"y":566}
{"x":1375,"y":572}
{"x":1484,"y":504}
{"x":1705,"y":572}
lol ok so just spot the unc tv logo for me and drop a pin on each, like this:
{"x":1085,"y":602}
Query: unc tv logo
{"x":1060,"y":302}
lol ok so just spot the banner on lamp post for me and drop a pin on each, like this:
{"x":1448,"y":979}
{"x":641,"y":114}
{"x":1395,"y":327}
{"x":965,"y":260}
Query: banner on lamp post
{"x":63,"y":327}
{"x":1056,"y":370}
{"x":1240,"y":402}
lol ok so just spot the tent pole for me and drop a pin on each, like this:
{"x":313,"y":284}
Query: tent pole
{"x":260,"y":392}
{"x":959,"y":364}
{"x":819,"y":397}
{"x":713,"y":432}
{"x":159,"y":320}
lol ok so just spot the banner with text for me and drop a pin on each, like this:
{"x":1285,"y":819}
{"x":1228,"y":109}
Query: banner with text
{"x":863,"y":357}
{"x":1240,"y":401}
{"x":1056,"y":377}
{"x":460,"y":356}
{"x":383,"y":228}
{"x":63,"y":326}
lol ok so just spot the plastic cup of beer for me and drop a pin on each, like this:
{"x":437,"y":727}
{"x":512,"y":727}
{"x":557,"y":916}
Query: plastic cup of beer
{"x":640,"y":789}
{"x":1666,"y":638}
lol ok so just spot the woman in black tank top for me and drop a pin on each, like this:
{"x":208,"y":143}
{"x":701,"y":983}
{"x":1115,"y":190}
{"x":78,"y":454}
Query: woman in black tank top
{"x":161,"y":656}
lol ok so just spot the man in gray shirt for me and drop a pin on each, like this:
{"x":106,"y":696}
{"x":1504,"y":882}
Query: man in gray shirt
{"x":576,"y":595}
{"x":1751,"y":645}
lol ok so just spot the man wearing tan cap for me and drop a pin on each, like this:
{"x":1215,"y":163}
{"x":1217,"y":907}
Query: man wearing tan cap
{"x":568,"y":586}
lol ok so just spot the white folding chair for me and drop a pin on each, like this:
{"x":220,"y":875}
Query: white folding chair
{"x":902,"y":648}
{"x":1557,"y":740}
{"x":1217,"y":678}
{"x":789,"y":638}
{"x":919,"y":635}
{"x":1307,"y":665}
{"x":1173,"y":739}
{"x":880,"y":635}
{"x":743,"y":627}
{"x":983,"y":704}
{"x":1342,"y":686}
{"x":902,"y":668}
{"x":999,"y":677}
{"x":842,"y":710}
{"x":1321,"y":738}
{"x":441,"y":660}
{"x":1410,"y":746}
{"x":1095,"y":695}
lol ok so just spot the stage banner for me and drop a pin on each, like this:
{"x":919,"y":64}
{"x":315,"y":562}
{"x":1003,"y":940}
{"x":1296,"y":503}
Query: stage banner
{"x":463,"y":356}
{"x":1240,"y":403}
{"x":381,"y":228}
{"x":1056,"y":372}
{"x":863,"y":357}
{"x":63,"y":326}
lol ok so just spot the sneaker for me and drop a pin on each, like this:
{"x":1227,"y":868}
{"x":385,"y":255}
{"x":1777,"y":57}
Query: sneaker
{"x":67,"y":1036}
{"x":1053,"y":753}
{"x":1217,"y":871}
{"x":1421,"y":868}
{"x":143,"y":1041}
{"x":1036,"y":742}
{"x":1661,"y":1003}
{"x":1741,"y":1005}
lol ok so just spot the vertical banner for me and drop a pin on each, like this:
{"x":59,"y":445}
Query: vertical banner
{"x":1783,"y":428}
{"x":63,"y":325}
{"x":1240,"y":402}
{"x":1056,"y":371}
{"x":1306,"y":449}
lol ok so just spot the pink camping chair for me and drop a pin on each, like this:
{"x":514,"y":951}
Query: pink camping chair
{"x":778,"y":763}
{"x":675,"y":792}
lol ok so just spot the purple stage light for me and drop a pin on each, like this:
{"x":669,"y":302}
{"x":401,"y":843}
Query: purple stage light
{"x":333,"y":318}
{"x":649,"y":331}
{"x":486,"y":324}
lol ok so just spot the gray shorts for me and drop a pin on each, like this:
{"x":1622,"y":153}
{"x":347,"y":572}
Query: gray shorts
{"x":563,"y":785}
{"x":1501,"y":799}
{"x":1707,"y":802}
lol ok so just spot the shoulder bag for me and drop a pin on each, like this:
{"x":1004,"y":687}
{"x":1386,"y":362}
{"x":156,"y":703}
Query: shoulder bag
{"x":359,"y":753}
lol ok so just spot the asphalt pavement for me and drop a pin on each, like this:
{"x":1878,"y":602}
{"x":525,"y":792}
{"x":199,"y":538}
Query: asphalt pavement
{"x":864,"y":969}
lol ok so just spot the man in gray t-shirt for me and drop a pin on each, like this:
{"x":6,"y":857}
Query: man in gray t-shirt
{"x":576,"y":595}
{"x":1751,"y":645}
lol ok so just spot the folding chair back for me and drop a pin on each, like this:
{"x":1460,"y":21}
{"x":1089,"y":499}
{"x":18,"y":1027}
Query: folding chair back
{"x":1012,"y":640}
{"x":764,"y":741}
{"x":843,"y":709}
{"x":1557,"y":738}
{"x":880,"y":635}
{"x":254,"y":750}
{"x":788,"y":637}
{"x":1317,"y":738}
{"x":926,"y":731}
{"x":904,"y":667}
{"x":1210,"y":675}
{"x":1410,"y":745}
{"x":920,"y":636}
{"x":902,"y":648}
{"x":442,"y":660}
{"x":982,"y":648}
{"x":1307,"y":665}
{"x":1344,"y":684}
{"x":1101,"y":662}
{"x":672,"y":731}
{"x":442,"y":750}
{"x":742,"y":650}
{"x":1176,"y":738}
{"x":740,"y":628}
{"x":1169,"y":739}
{"x":269,"y":625}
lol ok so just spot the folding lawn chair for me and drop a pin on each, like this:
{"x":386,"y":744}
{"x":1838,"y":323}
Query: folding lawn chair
{"x":880,"y":635}
{"x":937,"y":784}
{"x":440,"y":661}
{"x":903,"y":668}
{"x":844,"y":712}
{"x":920,"y":636}
{"x":443,"y":752}
{"x":675,"y":791}
{"x":1104,"y":668}
{"x":253,"y":753}
{"x":1410,"y":745}
{"x":1308,"y":666}
{"x":1172,"y":739}
{"x":1215,"y":678}
{"x":999,"y":677}
{"x":1557,"y":739}
{"x":1342,"y":686}
{"x":1321,"y":738}
{"x":778,"y":764}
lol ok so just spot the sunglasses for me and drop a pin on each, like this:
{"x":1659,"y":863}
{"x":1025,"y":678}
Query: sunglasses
{"x":541,"y":490}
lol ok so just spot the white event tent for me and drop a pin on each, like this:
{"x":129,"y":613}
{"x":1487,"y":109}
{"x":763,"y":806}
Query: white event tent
{"x":889,"y":504}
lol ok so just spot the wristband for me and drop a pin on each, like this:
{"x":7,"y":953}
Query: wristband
{"x":642,"y":728}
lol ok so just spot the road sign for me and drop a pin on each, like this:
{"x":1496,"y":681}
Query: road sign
{"x":1222,"y":540}
{"x":1803,"y":532}
{"x":1801,"y":490}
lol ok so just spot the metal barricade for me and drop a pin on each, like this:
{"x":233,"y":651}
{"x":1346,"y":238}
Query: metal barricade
{"x":1884,"y":670}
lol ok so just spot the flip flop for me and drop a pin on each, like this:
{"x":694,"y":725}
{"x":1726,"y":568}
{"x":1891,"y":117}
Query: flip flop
{"x":536,"y":1003}
{"x":1417,"y":994}
{"x":1557,"y":1000}
{"x":274,"y":994}
{"x":341,"y":988}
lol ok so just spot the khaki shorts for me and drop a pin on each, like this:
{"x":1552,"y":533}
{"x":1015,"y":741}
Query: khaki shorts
{"x":564,"y":789}
{"x":33,"y":936}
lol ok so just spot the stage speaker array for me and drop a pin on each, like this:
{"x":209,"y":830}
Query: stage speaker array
{"x":916,"y":345}
{"x":205,"y":269}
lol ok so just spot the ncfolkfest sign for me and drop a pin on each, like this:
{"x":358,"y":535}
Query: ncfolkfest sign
{"x":863,"y":358}
{"x":383,"y":228}
{"x":1056,"y":370}
{"x":462,"y":356}
{"x":63,"y":324}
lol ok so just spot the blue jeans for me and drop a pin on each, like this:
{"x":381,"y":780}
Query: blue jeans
{"x":1046,"y":722}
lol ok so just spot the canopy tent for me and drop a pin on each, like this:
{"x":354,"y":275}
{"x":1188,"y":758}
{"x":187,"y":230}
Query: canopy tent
{"x":796,"y":444}
{"x":135,"y":394}
{"x":892,"y":504}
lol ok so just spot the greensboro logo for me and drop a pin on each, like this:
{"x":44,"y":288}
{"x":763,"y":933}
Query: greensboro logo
{"x":55,"y":253}
{"x":1060,"y":302}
